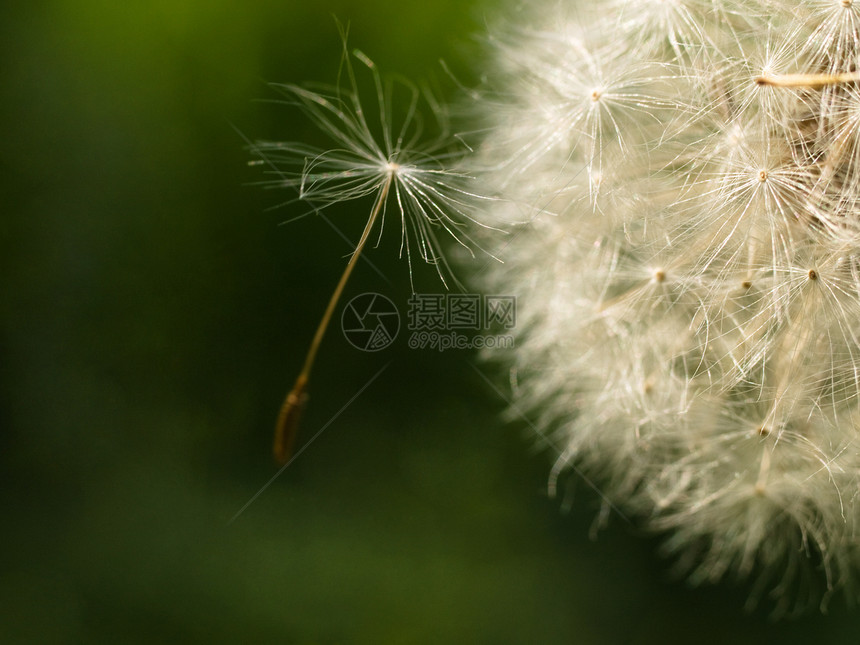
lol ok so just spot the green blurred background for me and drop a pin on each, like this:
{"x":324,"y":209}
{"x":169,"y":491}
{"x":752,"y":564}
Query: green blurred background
{"x":153,"y":314}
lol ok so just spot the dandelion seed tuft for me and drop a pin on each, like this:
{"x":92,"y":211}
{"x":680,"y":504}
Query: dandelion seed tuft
{"x":386,"y":143}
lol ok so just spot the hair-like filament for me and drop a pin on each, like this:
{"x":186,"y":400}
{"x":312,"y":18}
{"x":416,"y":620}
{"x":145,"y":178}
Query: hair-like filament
{"x":813,"y":81}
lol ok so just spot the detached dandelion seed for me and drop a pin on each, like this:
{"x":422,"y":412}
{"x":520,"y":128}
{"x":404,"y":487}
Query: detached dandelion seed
{"x":416,"y":180}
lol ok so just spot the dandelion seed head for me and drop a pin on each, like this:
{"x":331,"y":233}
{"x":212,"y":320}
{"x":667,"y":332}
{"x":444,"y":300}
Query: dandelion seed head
{"x":686,"y":182}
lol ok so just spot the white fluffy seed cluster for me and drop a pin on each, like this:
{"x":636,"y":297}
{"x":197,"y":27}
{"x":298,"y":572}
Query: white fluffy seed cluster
{"x":681,"y":180}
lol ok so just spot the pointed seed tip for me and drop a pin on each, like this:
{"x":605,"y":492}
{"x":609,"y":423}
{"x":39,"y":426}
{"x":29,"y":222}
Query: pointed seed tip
{"x":287,"y":427}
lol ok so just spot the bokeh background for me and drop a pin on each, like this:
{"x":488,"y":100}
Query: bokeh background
{"x":154,"y":310}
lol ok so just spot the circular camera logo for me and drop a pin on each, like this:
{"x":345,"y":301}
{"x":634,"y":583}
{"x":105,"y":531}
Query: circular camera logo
{"x":370,"y":322}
